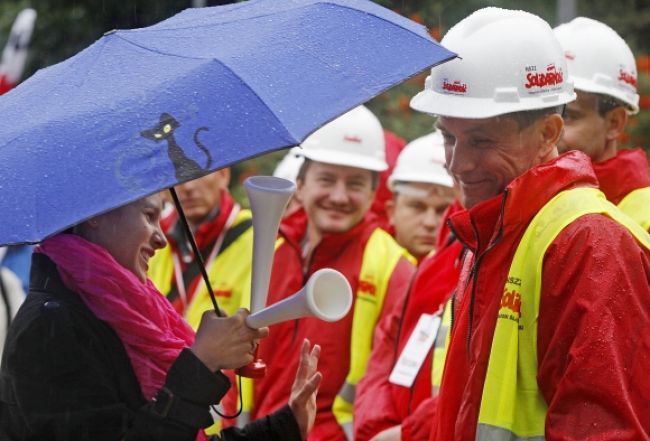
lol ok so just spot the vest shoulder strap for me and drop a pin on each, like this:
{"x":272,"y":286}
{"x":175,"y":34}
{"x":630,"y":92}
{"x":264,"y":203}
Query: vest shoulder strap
{"x":380,"y":257}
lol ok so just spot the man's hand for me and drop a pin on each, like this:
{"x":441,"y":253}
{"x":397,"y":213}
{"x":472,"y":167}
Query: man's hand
{"x":391,"y":434}
{"x":226,"y":342}
{"x":305,"y":386}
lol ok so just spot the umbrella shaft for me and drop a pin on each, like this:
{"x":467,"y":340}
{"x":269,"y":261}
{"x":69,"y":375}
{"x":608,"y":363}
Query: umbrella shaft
{"x":198,"y":258}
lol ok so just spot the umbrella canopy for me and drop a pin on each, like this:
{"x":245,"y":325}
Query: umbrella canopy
{"x":144,"y":109}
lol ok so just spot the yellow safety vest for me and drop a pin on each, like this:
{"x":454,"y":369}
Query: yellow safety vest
{"x":512,"y":406}
{"x":637,"y":205}
{"x":380,"y":257}
{"x":230,"y":275}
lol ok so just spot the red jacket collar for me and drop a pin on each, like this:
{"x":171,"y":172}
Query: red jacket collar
{"x":294,"y":227}
{"x":444,"y":236}
{"x":625,"y":172}
{"x":523,"y":198}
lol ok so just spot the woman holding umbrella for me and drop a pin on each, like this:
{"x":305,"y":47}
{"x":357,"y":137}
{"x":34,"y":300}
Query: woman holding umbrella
{"x":97,"y":353}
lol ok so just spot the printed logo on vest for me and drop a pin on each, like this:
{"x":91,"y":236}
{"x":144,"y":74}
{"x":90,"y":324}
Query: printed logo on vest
{"x":367,"y":287}
{"x":367,"y":291}
{"x":510,"y":305}
{"x":223,"y":293}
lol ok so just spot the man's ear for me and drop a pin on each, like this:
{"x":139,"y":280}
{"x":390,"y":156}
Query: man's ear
{"x":389,"y":206}
{"x":550,"y":131}
{"x":298,"y":194}
{"x":224,"y":177}
{"x":615,"y":120}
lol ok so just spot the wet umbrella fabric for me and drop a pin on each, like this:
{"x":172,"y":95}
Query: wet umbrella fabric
{"x":141,"y":110}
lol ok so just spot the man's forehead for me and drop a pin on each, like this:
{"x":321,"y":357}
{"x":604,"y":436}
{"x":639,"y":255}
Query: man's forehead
{"x":421,"y":189}
{"x":470,"y":126}
{"x":324,"y":168}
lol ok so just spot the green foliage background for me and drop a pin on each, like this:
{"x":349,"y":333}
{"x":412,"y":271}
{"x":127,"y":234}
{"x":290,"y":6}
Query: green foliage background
{"x":64,"y":27}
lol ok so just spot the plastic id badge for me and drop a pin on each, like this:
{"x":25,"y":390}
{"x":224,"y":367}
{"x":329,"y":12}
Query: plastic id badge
{"x":417,"y":347}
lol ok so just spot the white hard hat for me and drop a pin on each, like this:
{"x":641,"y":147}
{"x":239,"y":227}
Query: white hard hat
{"x":422,"y":160}
{"x":599,"y":60}
{"x":508,"y":61}
{"x":354,"y":139}
{"x":289,"y":165}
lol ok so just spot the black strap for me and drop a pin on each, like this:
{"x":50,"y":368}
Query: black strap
{"x":193,"y":269}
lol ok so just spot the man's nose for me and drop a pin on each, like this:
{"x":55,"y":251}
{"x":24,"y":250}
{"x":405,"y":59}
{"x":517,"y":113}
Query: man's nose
{"x":339,"y":193}
{"x":431,"y":218}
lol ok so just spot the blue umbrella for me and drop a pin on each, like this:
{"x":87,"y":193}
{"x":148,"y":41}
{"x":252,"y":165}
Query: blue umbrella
{"x":144,"y":109}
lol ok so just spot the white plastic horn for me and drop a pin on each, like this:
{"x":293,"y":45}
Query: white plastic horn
{"x":327,"y":296}
{"x":268,"y":196}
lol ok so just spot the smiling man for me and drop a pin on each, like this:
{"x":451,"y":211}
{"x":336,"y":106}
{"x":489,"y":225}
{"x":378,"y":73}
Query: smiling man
{"x":603,"y":69}
{"x":335,"y":228}
{"x":551,"y":316}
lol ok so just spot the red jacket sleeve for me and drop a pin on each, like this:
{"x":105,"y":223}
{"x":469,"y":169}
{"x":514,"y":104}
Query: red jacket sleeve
{"x":594,"y":334}
{"x":417,"y":426}
{"x":374,"y":409}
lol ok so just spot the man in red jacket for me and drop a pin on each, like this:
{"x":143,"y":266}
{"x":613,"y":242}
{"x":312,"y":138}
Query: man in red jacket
{"x":422,"y":191}
{"x":390,"y":407}
{"x":335,"y":229}
{"x":550,"y":334}
{"x":603,"y":69}
{"x":393,"y":398}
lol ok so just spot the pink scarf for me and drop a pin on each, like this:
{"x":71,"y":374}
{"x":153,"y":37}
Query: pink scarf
{"x":150,"y":329}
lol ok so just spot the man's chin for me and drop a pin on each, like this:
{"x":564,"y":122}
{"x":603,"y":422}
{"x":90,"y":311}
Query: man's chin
{"x":335,"y":227}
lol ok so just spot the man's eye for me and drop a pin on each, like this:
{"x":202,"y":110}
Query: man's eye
{"x":480,"y":142}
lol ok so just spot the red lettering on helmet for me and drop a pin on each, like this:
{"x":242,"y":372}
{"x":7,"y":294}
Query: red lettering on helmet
{"x":352,"y":139}
{"x":569,"y":55}
{"x":456,"y":86}
{"x":367,"y":287}
{"x":551,"y":77}
{"x":627,"y":77}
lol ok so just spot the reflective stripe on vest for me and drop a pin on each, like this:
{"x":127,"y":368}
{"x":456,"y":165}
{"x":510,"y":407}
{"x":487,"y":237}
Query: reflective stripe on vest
{"x":380,"y":257}
{"x":637,"y":205}
{"x":440,"y":346}
{"x":512,"y":406}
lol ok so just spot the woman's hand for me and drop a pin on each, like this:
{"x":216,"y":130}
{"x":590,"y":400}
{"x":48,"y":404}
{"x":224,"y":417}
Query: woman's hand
{"x":305,"y":386}
{"x":226,"y":342}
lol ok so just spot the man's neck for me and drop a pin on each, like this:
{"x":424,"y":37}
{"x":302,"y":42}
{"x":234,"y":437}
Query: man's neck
{"x":611,"y":148}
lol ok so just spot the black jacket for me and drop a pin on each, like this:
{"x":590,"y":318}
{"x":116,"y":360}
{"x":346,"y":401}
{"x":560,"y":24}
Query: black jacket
{"x":65,"y":375}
